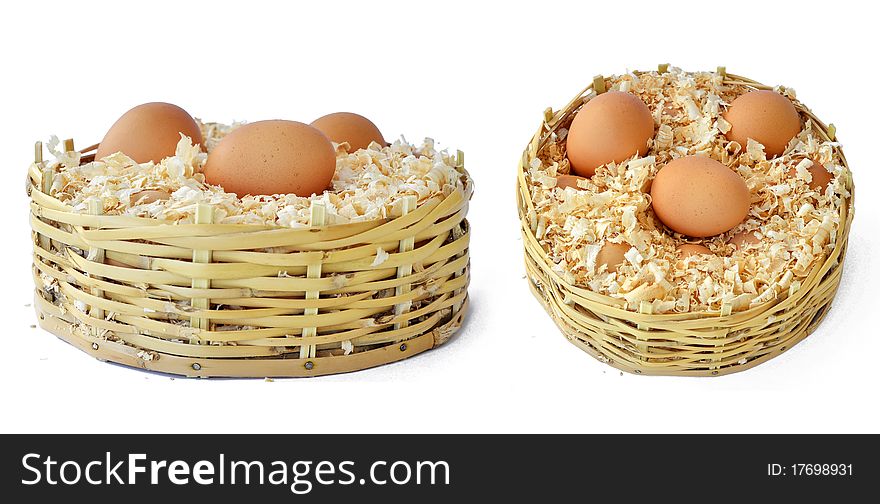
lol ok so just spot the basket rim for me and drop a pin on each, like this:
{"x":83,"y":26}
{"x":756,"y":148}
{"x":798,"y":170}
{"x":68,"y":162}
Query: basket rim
{"x":553,"y":119}
{"x":44,"y":200}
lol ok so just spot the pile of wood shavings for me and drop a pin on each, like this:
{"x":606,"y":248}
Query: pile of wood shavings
{"x":796,"y":226}
{"x":369,"y":184}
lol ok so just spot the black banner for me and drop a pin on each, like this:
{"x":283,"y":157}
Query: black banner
{"x":401,"y":468}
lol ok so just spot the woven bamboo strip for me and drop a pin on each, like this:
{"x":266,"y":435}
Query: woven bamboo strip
{"x":204,"y":215}
{"x":205,"y":299}
{"x":696,"y":344}
{"x":48,"y":175}
{"x":312,"y":271}
{"x":52,"y":320}
{"x":404,"y":270}
{"x":96,"y":207}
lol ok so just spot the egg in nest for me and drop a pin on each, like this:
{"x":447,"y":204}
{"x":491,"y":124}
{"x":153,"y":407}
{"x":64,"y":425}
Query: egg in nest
{"x":610,"y":127}
{"x":764,"y":116}
{"x":149,"y":132}
{"x":272,"y":157}
{"x":345,"y":127}
{"x":700,"y":197}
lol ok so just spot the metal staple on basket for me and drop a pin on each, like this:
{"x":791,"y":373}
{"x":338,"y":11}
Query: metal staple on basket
{"x":207,"y":299}
{"x":695,"y":344}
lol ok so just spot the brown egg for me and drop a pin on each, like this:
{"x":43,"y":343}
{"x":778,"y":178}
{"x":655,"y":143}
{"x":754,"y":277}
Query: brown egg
{"x":357,"y":130}
{"x":148,"y":196}
{"x":272,"y":157}
{"x":689,"y":249}
{"x":611,"y":255}
{"x":744,"y":238}
{"x":821,"y":176}
{"x":149,"y":132}
{"x":563,"y":181}
{"x":764,"y":116}
{"x":698,"y":196}
{"x":612,"y":126}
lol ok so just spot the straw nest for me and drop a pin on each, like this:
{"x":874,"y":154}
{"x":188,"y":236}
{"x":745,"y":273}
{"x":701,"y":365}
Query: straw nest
{"x":198,"y":298}
{"x":703,"y":315}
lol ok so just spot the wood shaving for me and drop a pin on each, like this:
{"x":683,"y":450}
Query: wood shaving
{"x":381,"y":257}
{"x":369,"y":184}
{"x":797,"y":226}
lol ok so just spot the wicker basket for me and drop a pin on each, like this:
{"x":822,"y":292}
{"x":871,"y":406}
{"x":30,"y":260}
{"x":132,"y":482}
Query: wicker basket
{"x":206,"y":299}
{"x":691,"y":344}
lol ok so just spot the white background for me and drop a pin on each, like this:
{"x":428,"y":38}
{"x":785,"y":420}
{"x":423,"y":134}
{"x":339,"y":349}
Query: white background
{"x":475,"y":76}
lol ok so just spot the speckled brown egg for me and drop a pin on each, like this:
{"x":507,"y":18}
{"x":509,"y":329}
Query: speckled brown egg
{"x":356,"y":130}
{"x":764,"y":116}
{"x":690,"y":249}
{"x":272,"y":157}
{"x":612,"y":126}
{"x":563,"y":181}
{"x":149,"y":132}
{"x":612,"y":255}
{"x":698,"y":196}
{"x":820,"y":177}
{"x":744,"y":238}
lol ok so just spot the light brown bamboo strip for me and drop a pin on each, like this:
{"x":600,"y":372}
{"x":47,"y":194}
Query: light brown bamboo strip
{"x":316,"y":220}
{"x":96,"y":207}
{"x":599,"y":84}
{"x":404,"y":270}
{"x":204,"y":215}
{"x":46,"y":180}
{"x":45,"y":185}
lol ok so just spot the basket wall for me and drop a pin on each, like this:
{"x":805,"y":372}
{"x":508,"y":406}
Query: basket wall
{"x":245,"y":300}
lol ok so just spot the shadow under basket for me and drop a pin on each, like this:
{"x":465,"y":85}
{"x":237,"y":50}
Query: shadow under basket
{"x":214,"y":300}
{"x":682,"y":344}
